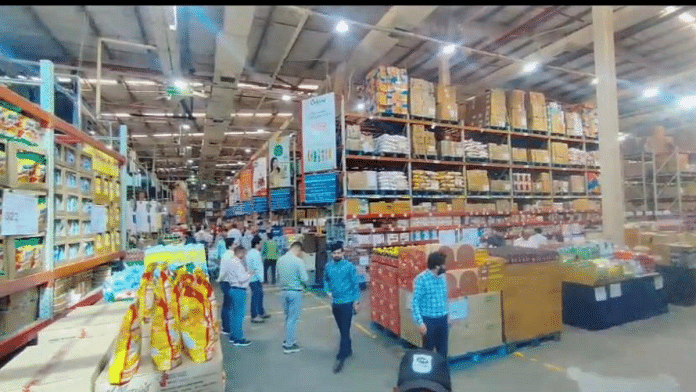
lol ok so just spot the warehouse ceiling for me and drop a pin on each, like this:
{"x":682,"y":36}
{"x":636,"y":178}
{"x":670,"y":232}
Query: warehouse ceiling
{"x":250,"y":67}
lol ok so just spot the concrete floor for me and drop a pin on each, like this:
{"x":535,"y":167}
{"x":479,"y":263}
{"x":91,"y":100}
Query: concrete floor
{"x":655,"y":355}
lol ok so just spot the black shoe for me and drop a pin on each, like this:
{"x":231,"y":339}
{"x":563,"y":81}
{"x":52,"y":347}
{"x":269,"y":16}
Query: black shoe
{"x":242,"y":343}
{"x":292,"y":349}
{"x":338,"y":365}
{"x":266,"y":316}
{"x":258,"y":320}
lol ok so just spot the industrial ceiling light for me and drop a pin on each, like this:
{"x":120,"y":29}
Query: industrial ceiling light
{"x":260,"y":130}
{"x":186,"y":126}
{"x":172,"y":26}
{"x":190,"y":161}
{"x":688,"y":102}
{"x":449,"y":49}
{"x":530,"y":67}
{"x":360,"y":107}
{"x":594,"y":81}
{"x":687,"y":18}
{"x":140,"y":82}
{"x":245,"y":114}
{"x":112,"y":82}
{"x":248,"y":150}
{"x":180,"y":83}
{"x":308,"y":86}
{"x":286,"y":97}
{"x":669,"y":10}
{"x":63,"y":80}
{"x":650,"y":92}
{"x":284,"y":114}
{"x":342,"y":27}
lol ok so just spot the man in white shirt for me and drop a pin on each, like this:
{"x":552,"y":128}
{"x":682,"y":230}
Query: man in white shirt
{"x":255,"y":263}
{"x":234,"y":280}
{"x":525,"y":241}
{"x":246,"y":239}
{"x":538,"y":238}
{"x":235,"y":234}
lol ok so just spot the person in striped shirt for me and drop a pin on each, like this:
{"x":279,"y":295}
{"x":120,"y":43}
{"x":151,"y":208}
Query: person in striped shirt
{"x":429,"y":306}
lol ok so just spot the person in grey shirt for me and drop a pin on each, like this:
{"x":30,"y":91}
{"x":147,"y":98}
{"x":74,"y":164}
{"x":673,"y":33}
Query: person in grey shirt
{"x":292,"y":277}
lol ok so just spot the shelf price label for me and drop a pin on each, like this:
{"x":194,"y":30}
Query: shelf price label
{"x":20,"y":214}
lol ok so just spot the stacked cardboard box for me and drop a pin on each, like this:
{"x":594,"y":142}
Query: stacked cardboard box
{"x":577,"y":184}
{"x":519,"y":155}
{"x":556,"y":121}
{"x":538,"y":156}
{"x":358,"y":141}
{"x":517,"y":115}
{"x":559,"y":153}
{"x":423,"y":141}
{"x":500,"y":186}
{"x":384,"y":294}
{"x":18,"y":310}
{"x":498,"y":152}
{"x":387,"y":90}
{"x":422,"y":96}
{"x":561,"y":187}
{"x":531,"y":294}
{"x":573,"y":123}
{"x":447,"y":103}
{"x":362,"y":181}
{"x":589,"y":120}
{"x":477,"y":181}
{"x":522,"y":182}
{"x":487,"y":110}
{"x":535,"y":105}
{"x":357,"y":207}
{"x":542,"y":183}
{"x":450,"y":149}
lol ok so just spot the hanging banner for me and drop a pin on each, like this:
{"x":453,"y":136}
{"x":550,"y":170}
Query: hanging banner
{"x":235,"y":191}
{"x":279,"y":165}
{"x":320,"y":188}
{"x":260,"y":176}
{"x":319,"y":133}
{"x":260,"y":204}
{"x":245,"y":184}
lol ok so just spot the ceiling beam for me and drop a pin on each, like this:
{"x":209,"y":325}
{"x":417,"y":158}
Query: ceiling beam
{"x":167,"y":41}
{"x":141,"y":26}
{"x":42,"y":26}
{"x":262,"y":40}
{"x":96,"y":30}
{"x":623,"y":18}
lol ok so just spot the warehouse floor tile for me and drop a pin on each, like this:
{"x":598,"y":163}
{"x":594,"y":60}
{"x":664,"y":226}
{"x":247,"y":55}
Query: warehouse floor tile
{"x":654,"y":355}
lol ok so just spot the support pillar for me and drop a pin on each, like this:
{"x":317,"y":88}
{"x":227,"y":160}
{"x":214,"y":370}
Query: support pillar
{"x":125,"y":213}
{"x":47,"y":102}
{"x":444,"y":70}
{"x":611,"y":181}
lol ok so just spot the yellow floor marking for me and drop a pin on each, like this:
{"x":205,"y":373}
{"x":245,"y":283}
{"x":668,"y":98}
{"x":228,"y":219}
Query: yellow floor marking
{"x":364,"y":330}
{"x":312,"y":308}
{"x":554,"y":367}
{"x":518,"y":354}
{"x":533,"y":359}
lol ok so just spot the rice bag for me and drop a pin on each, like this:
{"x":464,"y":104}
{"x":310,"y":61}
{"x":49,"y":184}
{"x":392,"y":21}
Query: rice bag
{"x":146,"y":298}
{"x":126,"y":359}
{"x":211,"y":309}
{"x":165,"y":339}
{"x":196,"y":331}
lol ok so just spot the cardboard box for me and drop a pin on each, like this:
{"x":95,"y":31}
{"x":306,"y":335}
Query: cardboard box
{"x":18,"y":310}
{"x":535,"y":105}
{"x":357,"y":207}
{"x":573,"y":123}
{"x":478,"y":328}
{"x":556,"y":121}
{"x":538,"y":156}
{"x":577,"y":184}
{"x":101,"y":322}
{"x":459,"y":205}
{"x":517,"y":114}
{"x":447,"y":103}
{"x":362,"y":181}
{"x":500,"y":186}
{"x":542,"y":183}
{"x":519,"y":155}
{"x":63,"y":366}
{"x":477,"y":180}
{"x":422,"y":98}
{"x":498,"y":152}
{"x":559,"y":153}
{"x":23,"y":256}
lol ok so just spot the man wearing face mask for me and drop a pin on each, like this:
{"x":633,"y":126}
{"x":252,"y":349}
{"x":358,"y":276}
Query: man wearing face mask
{"x":429,"y":304}
{"x":342,"y":285}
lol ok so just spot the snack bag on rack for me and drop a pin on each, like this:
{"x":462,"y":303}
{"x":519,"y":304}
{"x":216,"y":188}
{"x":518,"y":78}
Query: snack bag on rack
{"x":196,"y":331}
{"x":126,"y":358}
{"x":146,"y":299}
{"x":210,"y":304}
{"x":165,"y":339}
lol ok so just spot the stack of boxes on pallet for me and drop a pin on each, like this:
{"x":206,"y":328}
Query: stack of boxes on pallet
{"x":422,"y":96}
{"x":387,"y":91}
{"x":447,"y":103}
{"x":358,"y":141}
{"x":18,"y":310}
{"x":423,"y":142}
{"x":384,"y":291}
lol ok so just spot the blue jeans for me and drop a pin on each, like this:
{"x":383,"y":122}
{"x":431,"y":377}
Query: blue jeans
{"x":291,"y":302}
{"x":233,"y":306}
{"x":436,"y":336}
{"x":256,"y":299}
{"x":343,"y":314}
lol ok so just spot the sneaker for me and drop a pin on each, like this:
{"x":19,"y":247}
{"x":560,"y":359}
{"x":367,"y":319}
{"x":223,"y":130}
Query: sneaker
{"x":338,"y":365}
{"x":266,"y":316}
{"x":292,"y":349}
{"x":258,"y":320}
{"x":242,"y":343}
{"x":223,"y":332}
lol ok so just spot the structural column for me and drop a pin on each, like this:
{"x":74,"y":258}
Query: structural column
{"x":610,"y":179}
{"x":47,"y":102}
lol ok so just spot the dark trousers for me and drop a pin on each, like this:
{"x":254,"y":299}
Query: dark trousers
{"x":436,"y":335}
{"x":256,"y":299}
{"x":343,"y":314}
{"x":226,"y":306}
{"x":269,"y":263}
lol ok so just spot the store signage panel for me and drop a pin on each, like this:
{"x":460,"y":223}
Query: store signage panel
{"x":260,"y":177}
{"x":97,"y":217}
{"x":320,"y":188}
{"x":260,"y":204}
{"x":319,"y":133}
{"x":279,"y":162}
{"x":245,"y":184}
{"x":281,"y":199}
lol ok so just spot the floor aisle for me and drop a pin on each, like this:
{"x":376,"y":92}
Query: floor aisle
{"x":655,"y":355}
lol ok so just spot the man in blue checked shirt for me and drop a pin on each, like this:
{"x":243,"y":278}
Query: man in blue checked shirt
{"x":430,"y":304}
{"x":342,"y":285}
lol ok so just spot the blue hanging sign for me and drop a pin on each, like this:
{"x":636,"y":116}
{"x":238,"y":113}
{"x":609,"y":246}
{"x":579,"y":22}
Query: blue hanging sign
{"x":281,"y":199}
{"x":260,"y":204}
{"x":320,"y":188}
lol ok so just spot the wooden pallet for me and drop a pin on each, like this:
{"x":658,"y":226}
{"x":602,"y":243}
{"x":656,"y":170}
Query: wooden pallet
{"x":534,"y":342}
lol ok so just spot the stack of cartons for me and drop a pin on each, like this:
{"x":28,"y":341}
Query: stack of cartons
{"x":384,"y":294}
{"x":522,"y":182}
{"x":535,"y":105}
{"x":422,"y":96}
{"x":556,"y":121}
{"x":498,"y":152}
{"x":423,"y":141}
{"x":517,"y":115}
{"x":577,"y":184}
{"x":487,"y":110}
{"x":477,"y":181}
{"x":519,"y":155}
{"x":531,"y":298}
{"x":99,"y":322}
{"x":362,"y":181}
{"x":573,"y":123}
{"x":358,"y":141}
{"x":18,"y":310}
{"x":447,"y":103}
{"x":387,"y":90}
{"x":542,"y":183}
{"x":539,"y":156}
{"x":559,"y":153}
{"x":450,"y":149}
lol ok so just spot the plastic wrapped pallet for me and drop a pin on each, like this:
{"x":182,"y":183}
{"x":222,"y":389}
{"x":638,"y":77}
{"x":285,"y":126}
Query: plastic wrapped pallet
{"x":517,"y":114}
{"x":556,"y":121}
{"x":387,"y":90}
{"x":474,"y":149}
{"x":392,"y":144}
{"x":535,"y":105}
{"x":392,"y":181}
{"x":422,"y":98}
{"x":447,"y":103}
{"x":573,"y":123}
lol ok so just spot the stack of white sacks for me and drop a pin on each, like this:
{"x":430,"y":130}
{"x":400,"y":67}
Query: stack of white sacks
{"x":392,"y":181}
{"x":474,"y":149}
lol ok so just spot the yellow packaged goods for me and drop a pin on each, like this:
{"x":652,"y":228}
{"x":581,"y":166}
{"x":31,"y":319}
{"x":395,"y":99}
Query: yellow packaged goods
{"x":196,"y":331}
{"x":124,"y":363}
{"x":146,"y":295}
{"x":357,"y":207}
{"x":203,"y":285}
{"x":165,"y":340}
{"x":559,"y":153}
{"x":477,"y":180}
